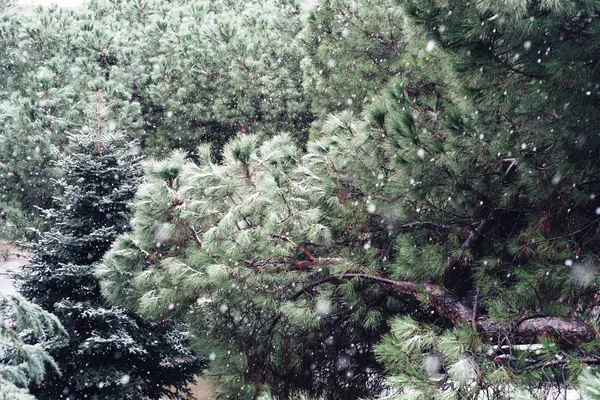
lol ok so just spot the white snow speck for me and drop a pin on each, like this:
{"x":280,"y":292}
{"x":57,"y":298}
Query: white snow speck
{"x":323,"y":307}
{"x":568,"y":262}
{"x":421,"y":153}
{"x":125,"y":379}
{"x":432,"y":364}
{"x":527,"y":45}
{"x":583,"y":274}
{"x":430,"y":46}
{"x":371,"y":208}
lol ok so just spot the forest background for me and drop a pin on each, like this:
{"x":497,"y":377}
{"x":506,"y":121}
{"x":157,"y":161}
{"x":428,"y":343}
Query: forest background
{"x":348,"y":200}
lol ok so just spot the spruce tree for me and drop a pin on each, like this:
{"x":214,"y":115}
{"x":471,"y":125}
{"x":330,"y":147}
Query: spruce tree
{"x":111,"y":353}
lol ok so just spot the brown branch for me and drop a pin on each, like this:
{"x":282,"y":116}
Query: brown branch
{"x":319,"y":282}
{"x":98,"y":121}
{"x":196,"y":238}
{"x":248,"y":176}
{"x":383,"y":40}
{"x":308,"y":265}
{"x":419,"y":224}
{"x":386,"y":42}
{"x":300,"y":248}
{"x":564,"y":330}
{"x":454,"y":268}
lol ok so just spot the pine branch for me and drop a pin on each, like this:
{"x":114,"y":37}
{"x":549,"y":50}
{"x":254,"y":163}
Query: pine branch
{"x":300,"y":248}
{"x":585,"y":360}
{"x":565,"y":330}
{"x":426,"y":224}
{"x":454,"y":267}
{"x":389,"y":43}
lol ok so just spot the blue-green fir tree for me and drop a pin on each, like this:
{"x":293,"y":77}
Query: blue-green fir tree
{"x":111,"y":354}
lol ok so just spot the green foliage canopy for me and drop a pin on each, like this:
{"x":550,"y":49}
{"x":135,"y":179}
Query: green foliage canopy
{"x":463,"y":197}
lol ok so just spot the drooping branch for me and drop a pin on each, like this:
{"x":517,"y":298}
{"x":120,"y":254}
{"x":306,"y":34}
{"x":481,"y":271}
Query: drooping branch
{"x":564,"y":330}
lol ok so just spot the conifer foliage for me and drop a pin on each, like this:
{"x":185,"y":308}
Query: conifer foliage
{"x":352,"y":50}
{"x":177,"y":73}
{"x":111,"y":353}
{"x":26,"y":332}
{"x":454,"y":221}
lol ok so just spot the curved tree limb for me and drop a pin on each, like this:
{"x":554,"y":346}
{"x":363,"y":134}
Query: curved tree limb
{"x":564,"y":330}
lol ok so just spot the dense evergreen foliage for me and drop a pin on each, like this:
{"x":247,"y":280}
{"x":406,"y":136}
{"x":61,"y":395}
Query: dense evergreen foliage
{"x":26,"y":333}
{"x":435,"y":237}
{"x":461,"y":198}
{"x":352,"y":50}
{"x":111,"y":354}
{"x":174,"y":74}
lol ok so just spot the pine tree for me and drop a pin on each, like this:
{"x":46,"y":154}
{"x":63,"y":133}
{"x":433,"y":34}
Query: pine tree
{"x":462,"y":201}
{"x":111,"y":353}
{"x":26,"y":331}
{"x":223,"y":246}
{"x":353,"y":50}
{"x":210,"y":70}
{"x":176,"y":73}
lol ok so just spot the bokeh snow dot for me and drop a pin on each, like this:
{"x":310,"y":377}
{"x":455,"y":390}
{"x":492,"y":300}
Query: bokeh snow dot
{"x":432,"y":364}
{"x":323,"y":307}
{"x":430,"y":46}
{"x":125,"y":379}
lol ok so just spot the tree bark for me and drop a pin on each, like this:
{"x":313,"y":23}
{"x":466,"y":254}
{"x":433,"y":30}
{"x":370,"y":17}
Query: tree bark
{"x":572,"y":331}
